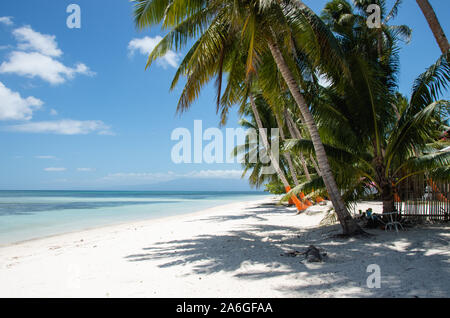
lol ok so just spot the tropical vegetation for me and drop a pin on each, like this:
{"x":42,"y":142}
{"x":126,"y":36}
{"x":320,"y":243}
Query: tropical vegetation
{"x":329,"y":83}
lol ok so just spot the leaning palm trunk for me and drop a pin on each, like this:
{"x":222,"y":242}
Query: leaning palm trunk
{"x":316,"y":166}
{"x":276,"y":165}
{"x":349,"y":225}
{"x":434,"y":24}
{"x":291,"y":165}
{"x":287,"y":155}
{"x":298,"y":135}
{"x":295,"y":133}
{"x":265,"y":141}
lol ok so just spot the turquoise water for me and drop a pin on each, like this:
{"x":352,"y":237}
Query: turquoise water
{"x":27,"y":215}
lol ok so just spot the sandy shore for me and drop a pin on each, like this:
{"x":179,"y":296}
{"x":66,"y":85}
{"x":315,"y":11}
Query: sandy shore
{"x":228,"y":251}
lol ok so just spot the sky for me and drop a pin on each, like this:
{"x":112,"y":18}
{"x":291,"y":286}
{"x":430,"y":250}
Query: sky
{"x":78,"y":110}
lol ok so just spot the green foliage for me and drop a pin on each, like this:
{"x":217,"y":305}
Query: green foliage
{"x":330,"y":218}
{"x":374,"y":137}
{"x":274,"y":187}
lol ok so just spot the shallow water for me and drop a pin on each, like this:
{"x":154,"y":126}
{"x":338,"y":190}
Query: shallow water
{"x":27,"y":215}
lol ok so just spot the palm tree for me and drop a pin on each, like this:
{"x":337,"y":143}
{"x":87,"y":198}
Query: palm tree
{"x":274,"y":161}
{"x":287,"y":155}
{"x":373,"y":135}
{"x":223,"y":29}
{"x":434,"y":24}
{"x":348,"y":224}
{"x":251,"y":150}
{"x":369,"y":92}
{"x":409,"y":143}
{"x":300,"y":206}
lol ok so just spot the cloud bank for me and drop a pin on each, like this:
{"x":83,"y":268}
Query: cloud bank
{"x":64,"y":127}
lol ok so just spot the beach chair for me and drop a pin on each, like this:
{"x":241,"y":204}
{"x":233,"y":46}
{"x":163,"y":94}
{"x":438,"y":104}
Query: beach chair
{"x":392,"y":223}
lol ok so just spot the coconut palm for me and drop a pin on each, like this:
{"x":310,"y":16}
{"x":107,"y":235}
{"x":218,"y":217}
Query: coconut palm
{"x":406,"y":136}
{"x":370,"y":91}
{"x":261,"y":116}
{"x":219,"y":27}
{"x":434,"y":24}
{"x":274,"y":161}
{"x":252,"y":154}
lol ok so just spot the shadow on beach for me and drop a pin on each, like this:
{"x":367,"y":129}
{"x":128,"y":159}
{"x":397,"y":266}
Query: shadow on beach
{"x":413,"y":263}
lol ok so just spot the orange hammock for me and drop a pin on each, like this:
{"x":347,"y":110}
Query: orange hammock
{"x":303,"y":203}
{"x":435,"y":188}
{"x":300,"y":205}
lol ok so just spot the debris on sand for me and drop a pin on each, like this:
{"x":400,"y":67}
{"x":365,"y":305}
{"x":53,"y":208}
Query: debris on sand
{"x":312,"y":254}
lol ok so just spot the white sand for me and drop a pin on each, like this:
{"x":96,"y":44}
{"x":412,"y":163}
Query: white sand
{"x":228,"y":251}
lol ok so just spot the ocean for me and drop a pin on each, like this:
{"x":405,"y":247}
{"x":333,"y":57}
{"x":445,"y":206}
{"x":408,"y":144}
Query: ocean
{"x":26,"y":215}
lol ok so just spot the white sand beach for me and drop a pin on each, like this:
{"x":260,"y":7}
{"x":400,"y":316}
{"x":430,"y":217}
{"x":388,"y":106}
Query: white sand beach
{"x":228,"y":251}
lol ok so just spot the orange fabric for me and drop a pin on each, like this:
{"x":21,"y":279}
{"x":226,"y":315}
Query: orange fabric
{"x":440,"y":196}
{"x":318,"y":199}
{"x":306,"y":201}
{"x":397,"y":198}
{"x":300,"y":206}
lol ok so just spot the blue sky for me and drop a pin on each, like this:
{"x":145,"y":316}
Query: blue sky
{"x":78,"y":110}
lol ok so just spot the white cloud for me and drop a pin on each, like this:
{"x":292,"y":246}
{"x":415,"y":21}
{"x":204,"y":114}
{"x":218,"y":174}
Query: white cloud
{"x":34,"y":64}
{"x":15,"y":107}
{"x":140,"y":176}
{"x":85,"y":169}
{"x":53,"y":112}
{"x":158,"y":177}
{"x":146,"y":45}
{"x":45,"y":157}
{"x":64,"y":127}
{"x":6,"y":20}
{"x":36,"y":57}
{"x":54,"y":169}
{"x":219,"y":174}
{"x":31,"y":40}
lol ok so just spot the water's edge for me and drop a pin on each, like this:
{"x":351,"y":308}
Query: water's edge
{"x":62,"y":212}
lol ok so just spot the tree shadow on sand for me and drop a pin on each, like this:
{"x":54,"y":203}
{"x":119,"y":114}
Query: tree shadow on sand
{"x":257,"y":252}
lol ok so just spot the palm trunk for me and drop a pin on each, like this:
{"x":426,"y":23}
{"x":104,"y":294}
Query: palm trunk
{"x":291,"y":166}
{"x":287,"y":155}
{"x":387,"y":196}
{"x":300,"y":206}
{"x":386,"y":185}
{"x":349,"y":225}
{"x":295,"y":133}
{"x":265,"y":141}
{"x":434,"y":24}
{"x":316,"y":167}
